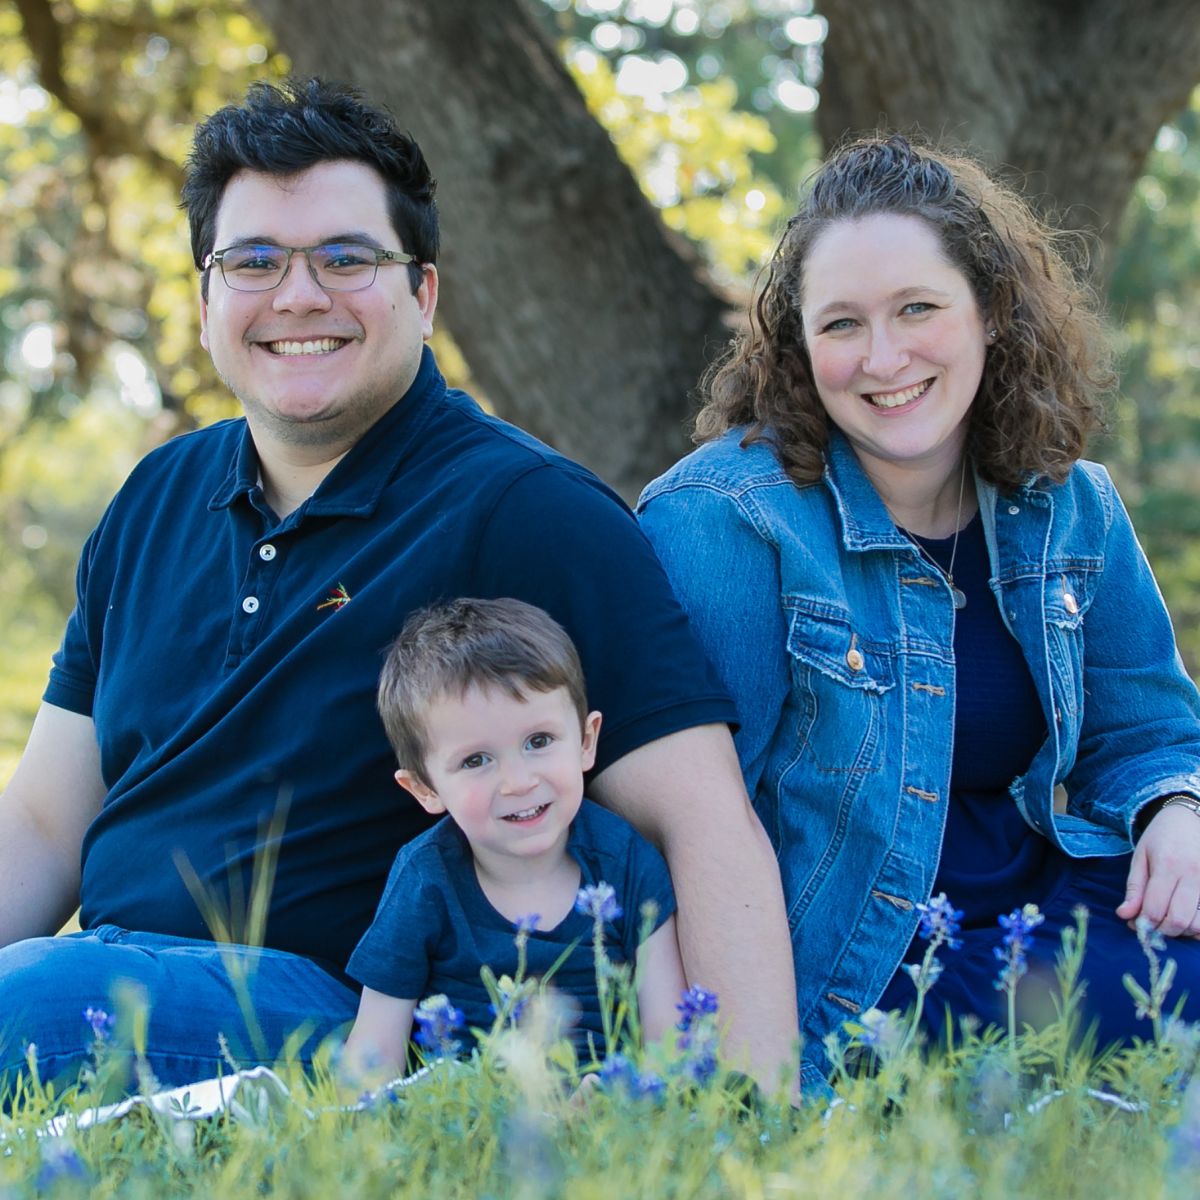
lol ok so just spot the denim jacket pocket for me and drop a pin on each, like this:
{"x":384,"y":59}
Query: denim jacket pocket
{"x":840,"y":677}
{"x":1067,"y":597}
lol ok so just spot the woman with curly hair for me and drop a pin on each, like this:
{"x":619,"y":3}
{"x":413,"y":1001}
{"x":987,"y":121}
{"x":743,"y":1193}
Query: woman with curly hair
{"x":954,"y":670}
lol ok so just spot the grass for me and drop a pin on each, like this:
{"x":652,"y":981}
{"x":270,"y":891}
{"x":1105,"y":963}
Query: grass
{"x":477,"y":1132}
{"x":998,"y":1113}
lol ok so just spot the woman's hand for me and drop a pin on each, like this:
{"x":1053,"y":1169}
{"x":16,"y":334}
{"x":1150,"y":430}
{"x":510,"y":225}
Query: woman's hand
{"x":1164,"y":877}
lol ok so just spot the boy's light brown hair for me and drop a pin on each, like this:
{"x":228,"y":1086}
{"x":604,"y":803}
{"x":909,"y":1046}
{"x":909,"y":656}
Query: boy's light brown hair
{"x":446,"y":649}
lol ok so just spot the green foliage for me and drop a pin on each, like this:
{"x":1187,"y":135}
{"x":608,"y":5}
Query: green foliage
{"x":707,"y":100}
{"x":1038,"y":1114}
{"x":1155,"y":294}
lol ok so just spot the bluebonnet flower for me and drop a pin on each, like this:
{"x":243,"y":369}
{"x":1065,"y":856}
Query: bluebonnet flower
{"x":60,"y":1163}
{"x":513,"y":998}
{"x":437,"y":1020}
{"x":925,"y":973}
{"x":528,"y":923}
{"x":100,"y":1022}
{"x":880,"y":1031}
{"x":598,"y":901}
{"x":698,"y":1035}
{"x":940,"y":922}
{"x":696,"y":1003}
{"x":939,"y":926}
{"x":617,"y":1072}
{"x":699,"y":1062}
{"x":1012,"y":952}
{"x":1151,"y":1003}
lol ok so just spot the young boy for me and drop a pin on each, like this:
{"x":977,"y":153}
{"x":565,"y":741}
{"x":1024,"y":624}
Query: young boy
{"x":484,"y":704}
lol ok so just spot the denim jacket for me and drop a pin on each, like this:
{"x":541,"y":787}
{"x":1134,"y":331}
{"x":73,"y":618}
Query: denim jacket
{"x":835,"y":639}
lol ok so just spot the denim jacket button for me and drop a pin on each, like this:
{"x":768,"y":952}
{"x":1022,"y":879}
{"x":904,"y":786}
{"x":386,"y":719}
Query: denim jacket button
{"x":854,"y":659}
{"x":1013,"y":509}
{"x":1070,"y":603}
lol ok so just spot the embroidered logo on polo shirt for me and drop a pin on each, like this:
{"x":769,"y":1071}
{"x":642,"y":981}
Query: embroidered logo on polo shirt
{"x":338,"y":598}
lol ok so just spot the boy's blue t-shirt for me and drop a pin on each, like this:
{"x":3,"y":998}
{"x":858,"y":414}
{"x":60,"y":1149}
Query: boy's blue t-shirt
{"x":435,"y":928}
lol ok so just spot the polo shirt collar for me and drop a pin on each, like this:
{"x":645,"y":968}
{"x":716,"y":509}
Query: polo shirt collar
{"x":354,"y":486}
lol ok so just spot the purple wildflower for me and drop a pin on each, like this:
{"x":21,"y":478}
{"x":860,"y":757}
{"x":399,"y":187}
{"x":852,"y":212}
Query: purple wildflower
{"x":699,"y":1060}
{"x":618,"y":1073}
{"x":925,"y":973}
{"x":598,"y":901}
{"x":437,"y":1020}
{"x":880,"y":1031}
{"x":940,"y":922}
{"x":528,"y":923}
{"x":1012,"y":952}
{"x":100,"y":1021}
{"x":696,"y":1003}
{"x":616,"y":1069}
{"x":60,"y":1164}
{"x":513,"y":998}
{"x":698,"y":1038}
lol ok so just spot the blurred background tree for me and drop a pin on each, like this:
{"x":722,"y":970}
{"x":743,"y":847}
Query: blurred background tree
{"x":612,"y":173}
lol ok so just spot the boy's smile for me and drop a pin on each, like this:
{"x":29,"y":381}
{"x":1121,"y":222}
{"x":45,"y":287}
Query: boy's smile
{"x":508,"y":770}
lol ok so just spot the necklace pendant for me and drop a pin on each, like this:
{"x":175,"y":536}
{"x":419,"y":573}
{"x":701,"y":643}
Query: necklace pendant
{"x":960,"y":597}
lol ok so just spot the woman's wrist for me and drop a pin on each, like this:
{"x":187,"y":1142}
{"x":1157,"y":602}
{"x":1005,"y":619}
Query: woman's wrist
{"x":1148,"y":812}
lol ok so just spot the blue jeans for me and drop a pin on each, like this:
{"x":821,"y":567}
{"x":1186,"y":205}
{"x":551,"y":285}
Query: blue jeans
{"x":193,"y":991}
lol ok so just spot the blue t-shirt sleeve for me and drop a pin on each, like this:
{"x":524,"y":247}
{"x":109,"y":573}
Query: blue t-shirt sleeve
{"x":395,"y":953}
{"x":636,"y":871}
{"x":72,"y":683}
{"x":560,"y":539}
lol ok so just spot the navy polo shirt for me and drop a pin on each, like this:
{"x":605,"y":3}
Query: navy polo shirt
{"x":229,"y":658}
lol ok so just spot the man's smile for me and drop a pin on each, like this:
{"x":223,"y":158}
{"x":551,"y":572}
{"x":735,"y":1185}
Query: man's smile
{"x":326,"y":345}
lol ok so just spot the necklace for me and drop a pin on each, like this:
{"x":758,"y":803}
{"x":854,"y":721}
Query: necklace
{"x":960,"y":597}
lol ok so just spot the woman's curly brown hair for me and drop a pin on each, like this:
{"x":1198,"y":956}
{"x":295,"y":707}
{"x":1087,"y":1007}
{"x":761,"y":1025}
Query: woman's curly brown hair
{"x":1045,"y":374}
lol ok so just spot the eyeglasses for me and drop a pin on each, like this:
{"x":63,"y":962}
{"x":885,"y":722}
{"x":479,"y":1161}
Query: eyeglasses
{"x":336,"y":266}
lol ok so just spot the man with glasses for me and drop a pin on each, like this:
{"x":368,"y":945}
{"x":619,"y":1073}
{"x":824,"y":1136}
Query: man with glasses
{"x":209,"y":736}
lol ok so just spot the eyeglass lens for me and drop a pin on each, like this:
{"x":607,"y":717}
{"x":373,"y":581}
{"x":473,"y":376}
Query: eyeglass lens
{"x":338,"y":266}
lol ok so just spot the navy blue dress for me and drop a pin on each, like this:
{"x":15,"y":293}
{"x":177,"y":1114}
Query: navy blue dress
{"x":992,"y":862}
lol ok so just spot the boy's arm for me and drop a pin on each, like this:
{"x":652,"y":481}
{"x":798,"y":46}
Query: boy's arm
{"x":379,"y":1040}
{"x":660,"y":981}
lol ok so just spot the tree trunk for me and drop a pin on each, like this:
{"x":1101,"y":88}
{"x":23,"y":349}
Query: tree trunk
{"x":582,"y":317}
{"x":1066,"y":95}
{"x":587,"y":322}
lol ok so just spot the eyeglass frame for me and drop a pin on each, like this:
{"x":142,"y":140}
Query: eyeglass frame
{"x":216,"y":257}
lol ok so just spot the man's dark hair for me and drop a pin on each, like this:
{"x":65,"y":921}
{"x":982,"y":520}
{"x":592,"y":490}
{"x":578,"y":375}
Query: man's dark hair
{"x":448,"y":648}
{"x":285,"y":129}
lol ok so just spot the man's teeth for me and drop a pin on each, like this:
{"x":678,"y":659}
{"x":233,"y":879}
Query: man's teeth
{"x":526,"y":813}
{"x":896,"y":399}
{"x":317,"y":346}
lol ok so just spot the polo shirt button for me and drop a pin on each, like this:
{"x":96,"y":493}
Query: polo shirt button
{"x":250,"y":604}
{"x":1013,"y":510}
{"x":267,"y":552}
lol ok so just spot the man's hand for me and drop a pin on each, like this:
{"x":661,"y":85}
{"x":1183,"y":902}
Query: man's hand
{"x":1164,"y":877}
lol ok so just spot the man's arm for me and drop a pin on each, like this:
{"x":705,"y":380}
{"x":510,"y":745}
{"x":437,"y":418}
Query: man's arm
{"x":661,"y":983}
{"x":684,"y":792}
{"x":55,"y":793}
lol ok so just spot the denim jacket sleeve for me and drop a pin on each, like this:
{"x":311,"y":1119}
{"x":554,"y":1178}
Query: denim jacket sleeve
{"x":725,"y":573}
{"x":1140,"y":735}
